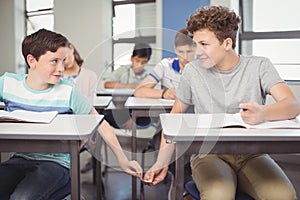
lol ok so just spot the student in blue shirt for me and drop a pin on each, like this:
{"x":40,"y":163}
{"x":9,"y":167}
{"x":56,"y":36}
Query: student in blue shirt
{"x":29,"y":176}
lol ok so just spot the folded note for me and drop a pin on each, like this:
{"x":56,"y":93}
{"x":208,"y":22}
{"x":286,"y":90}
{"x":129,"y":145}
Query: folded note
{"x":27,"y":116}
{"x":233,"y":120}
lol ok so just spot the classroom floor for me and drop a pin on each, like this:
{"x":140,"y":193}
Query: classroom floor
{"x":118,"y":185}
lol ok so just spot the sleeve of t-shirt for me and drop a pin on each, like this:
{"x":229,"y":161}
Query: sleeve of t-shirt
{"x":158,"y":71}
{"x":79,"y":103}
{"x":116,"y":75}
{"x":268,"y":75}
{"x":184,"y":91}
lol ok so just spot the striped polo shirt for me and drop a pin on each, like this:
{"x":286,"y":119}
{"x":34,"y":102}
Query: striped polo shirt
{"x":63,"y":98}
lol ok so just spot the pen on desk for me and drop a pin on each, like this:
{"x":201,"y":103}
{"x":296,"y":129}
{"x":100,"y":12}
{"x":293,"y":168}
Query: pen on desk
{"x":244,"y":109}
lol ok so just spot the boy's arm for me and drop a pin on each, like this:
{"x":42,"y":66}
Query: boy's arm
{"x":159,"y":170}
{"x":115,"y":84}
{"x":286,"y":107}
{"x":146,"y":89}
{"x":106,"y":132}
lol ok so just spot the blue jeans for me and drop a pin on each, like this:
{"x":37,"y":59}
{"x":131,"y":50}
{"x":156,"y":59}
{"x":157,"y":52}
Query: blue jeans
{"x":32,"y":179}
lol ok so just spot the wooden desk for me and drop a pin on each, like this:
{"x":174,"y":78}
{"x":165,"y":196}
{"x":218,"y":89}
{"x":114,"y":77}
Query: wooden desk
{"x":63,"y":135}
{"x":221,"y":141}
{"x":144,"y":107}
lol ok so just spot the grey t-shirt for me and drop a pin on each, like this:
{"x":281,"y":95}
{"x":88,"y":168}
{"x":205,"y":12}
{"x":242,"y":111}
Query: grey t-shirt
{"x":214,"y":91}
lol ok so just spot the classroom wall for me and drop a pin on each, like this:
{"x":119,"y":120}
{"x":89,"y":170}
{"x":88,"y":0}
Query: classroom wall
{"x":12,"y":32}
{"x":88,"y":26}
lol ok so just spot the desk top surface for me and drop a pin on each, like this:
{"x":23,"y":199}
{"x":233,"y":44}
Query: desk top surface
{"x":177,"y":129}
{"x":148,"y":103}
{"x":63,"y":127}
{"x":117,"y":91}
{"x":101,"y":102}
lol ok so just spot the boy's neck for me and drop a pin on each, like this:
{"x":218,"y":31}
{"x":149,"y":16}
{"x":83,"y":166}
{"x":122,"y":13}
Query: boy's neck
{"x":230,"y":60}
{"x":35,"y":84}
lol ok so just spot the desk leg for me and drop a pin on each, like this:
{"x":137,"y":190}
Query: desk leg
{"x":75,"y":176}
{"x":133,"y":154}
{"x":179,"y":173}
{"x":98,"y":177}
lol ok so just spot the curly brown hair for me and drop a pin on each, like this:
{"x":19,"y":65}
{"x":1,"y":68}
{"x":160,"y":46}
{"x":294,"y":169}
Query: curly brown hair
{"x":218,"y":19}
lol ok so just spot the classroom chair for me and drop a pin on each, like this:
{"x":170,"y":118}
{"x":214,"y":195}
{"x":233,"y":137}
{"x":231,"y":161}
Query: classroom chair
{"x":191,"y":189}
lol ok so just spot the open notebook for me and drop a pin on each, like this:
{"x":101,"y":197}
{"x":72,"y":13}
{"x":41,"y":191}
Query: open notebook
{"x":233,"y":120}
{"x":27,"y":116}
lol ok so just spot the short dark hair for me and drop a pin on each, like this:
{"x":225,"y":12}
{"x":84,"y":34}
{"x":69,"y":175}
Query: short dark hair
{"x":142,"y":50}
{"x":183,"y":38}
{"x":40,"y":42}
{"x":218,"y":19}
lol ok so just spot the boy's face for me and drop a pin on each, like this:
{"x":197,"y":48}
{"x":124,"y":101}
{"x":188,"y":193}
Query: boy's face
{"x":209,"y":49}
{"x":185,"y":54}
{"x":138,"y":64}
{"x":49,"y":68}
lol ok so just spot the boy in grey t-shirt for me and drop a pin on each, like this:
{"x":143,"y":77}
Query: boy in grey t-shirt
{"x":221,"y":81}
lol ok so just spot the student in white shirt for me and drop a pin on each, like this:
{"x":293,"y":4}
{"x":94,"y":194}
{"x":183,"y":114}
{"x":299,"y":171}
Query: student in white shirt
{"x":168,"y":70}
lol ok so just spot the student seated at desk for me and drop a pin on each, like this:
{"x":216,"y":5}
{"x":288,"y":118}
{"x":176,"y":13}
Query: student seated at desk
{"x":222,"y":81}
{"x":84,"y":79}
{"x":129,"y":77}
{"x":168,"y":70}
{"x":31,"y":176}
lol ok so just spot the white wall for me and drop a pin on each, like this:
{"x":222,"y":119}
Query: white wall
{"x":88,"y":26}
{"x":12,"y":33}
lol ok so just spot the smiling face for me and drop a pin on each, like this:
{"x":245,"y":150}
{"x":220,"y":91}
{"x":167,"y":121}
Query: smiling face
{"x":210,"y":51}
{"x":47,"y":70}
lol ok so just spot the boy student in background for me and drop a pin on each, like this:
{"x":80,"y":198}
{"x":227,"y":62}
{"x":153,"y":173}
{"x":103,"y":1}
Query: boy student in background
{"x":168,"y":70}
{"x":84,"y":79}
{"x":210,"y":83}
{"x":43,"y":175}
{"x":130,"y":76}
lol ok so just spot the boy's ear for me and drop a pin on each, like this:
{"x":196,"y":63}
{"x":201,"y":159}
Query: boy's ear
{"x":31,"y":61}
{"x":227,"y":44}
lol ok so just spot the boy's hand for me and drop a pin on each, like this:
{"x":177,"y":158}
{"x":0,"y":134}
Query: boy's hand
{"x":252,"y":113}
{"x":154,"y":176}
{"x":133,"y":168}
{"x":170,"y":94}
{"x":128,"y":124}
